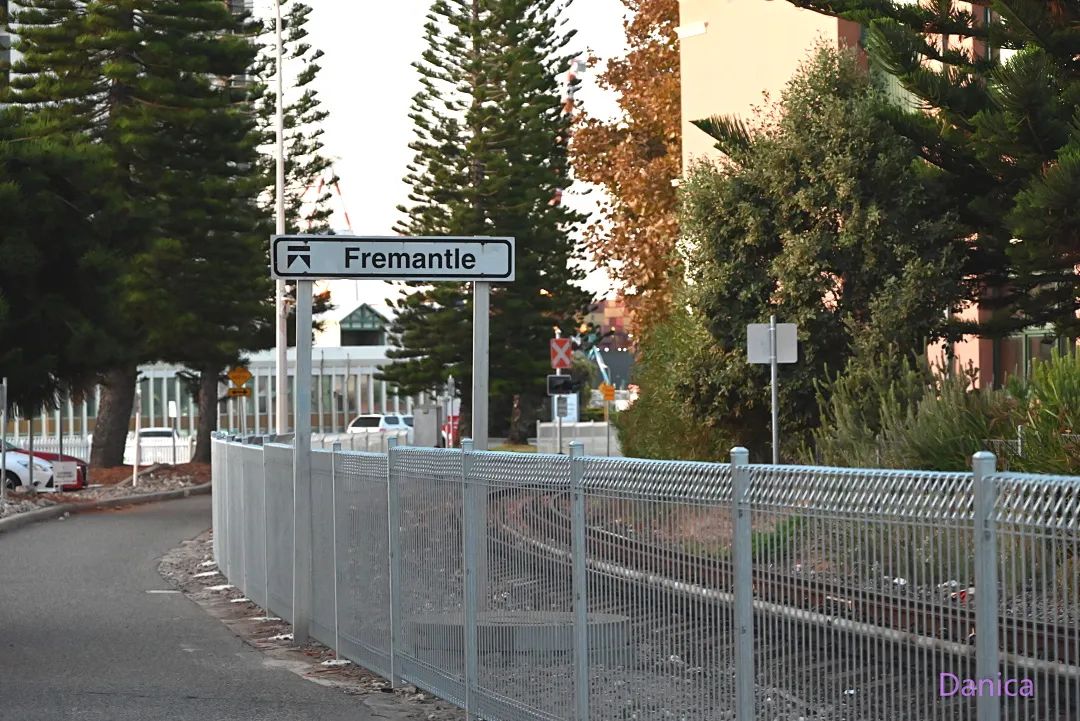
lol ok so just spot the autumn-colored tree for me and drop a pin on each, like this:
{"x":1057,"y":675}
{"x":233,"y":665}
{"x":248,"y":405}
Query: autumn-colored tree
{"x":634,"y":159}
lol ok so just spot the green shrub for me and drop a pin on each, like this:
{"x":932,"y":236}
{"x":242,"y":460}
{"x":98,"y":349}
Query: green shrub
{"x":892,"y":412}
{"x":661,"y":423}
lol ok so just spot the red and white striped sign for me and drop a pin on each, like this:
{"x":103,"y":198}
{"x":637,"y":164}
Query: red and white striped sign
{"x":561,"y":353}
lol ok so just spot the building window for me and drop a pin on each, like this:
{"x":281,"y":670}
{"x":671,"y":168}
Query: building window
{"x":1017,"y":354}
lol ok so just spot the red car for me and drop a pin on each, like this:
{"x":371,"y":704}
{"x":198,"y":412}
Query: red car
{"x":82,"y":473}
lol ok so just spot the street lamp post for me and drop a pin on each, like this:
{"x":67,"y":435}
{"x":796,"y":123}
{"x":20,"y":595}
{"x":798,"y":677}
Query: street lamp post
{"x":281,"y":312}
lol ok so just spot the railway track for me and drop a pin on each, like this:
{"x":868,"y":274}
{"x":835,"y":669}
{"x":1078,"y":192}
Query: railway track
{"x":895,"y":631}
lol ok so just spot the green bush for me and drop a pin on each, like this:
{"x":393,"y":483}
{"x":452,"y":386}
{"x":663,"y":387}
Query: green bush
{"x":661,"y":423}
{"x":893,"y":412}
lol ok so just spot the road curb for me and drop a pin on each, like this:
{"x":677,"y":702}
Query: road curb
{"x":44,"y":514}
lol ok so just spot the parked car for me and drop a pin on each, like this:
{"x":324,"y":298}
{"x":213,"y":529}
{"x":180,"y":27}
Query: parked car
{"x":382,"y":423}
{"x":17,"y":470}
{"x":155,"y":445}
{"x":82,"y":474}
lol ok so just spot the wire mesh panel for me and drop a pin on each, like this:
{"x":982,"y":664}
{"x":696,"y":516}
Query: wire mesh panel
{"x":218,"y":478}
{"x":278,"y":464}
{"x":659,"y":538}
{"x":254,"y":487}
{"x":1037,"y":522}
{"x":363,"y":560}
{"x":863,"y":592}
{"x":324,"y":602}
{"x":235,"y":511}
{"x":429,"y":525}
{"x":524,"y":626}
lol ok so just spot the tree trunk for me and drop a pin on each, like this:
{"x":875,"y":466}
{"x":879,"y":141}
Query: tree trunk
{"x":208,"y":412}
{"x":113,"y":417}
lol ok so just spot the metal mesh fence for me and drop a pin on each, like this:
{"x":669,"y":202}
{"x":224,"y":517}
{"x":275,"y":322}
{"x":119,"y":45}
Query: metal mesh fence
{"x":861,"y":582}
{"x":279,"y":527}
{"x":363,"y":560}
{"x":530,"y":586}
{"x":659,"y":585}
{"x":254,"y":524}
{"x":1037,"y":526}
{"x":430,"y":597}
{"x":523,"y":628}
{"x":324,"y":600}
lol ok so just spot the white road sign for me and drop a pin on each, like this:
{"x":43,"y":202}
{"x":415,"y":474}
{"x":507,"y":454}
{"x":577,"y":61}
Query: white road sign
{"x":392,"y":257}
{"x":757,"y":343}
{"x":65,"y":473}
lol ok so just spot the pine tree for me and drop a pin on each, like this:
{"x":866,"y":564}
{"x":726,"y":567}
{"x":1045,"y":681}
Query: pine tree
{"x":150,"y":83}
{"x":491,"y":159}
{"x":50,"y":290}
{"x":635,"y":159}
{"x":1006,"y":136}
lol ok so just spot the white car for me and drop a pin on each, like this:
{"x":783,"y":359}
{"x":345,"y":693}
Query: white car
{"x":379,"y":423}
{"x":17,"y":471}
{"x":155,"y":446}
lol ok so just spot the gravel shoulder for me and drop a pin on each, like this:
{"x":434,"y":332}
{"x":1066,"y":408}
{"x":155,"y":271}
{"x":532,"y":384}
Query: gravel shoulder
{"x":186,"y":568}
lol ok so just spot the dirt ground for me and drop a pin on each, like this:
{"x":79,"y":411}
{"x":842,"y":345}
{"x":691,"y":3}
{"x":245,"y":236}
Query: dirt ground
{"x":199,"y":472}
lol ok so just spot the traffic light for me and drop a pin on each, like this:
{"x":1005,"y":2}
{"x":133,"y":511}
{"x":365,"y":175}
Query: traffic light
{"x":560,"y":385}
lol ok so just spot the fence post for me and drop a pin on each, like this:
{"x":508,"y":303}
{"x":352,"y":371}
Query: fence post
{"x":579,"y":581}
{"x":983,"y":464}
{"x":243,"y":522}
{"x":267,"y":439}
{"x":393,"y":527}
{"x":472,"y":496}
{"x":335,"y":449}
{"x":743,"y":584}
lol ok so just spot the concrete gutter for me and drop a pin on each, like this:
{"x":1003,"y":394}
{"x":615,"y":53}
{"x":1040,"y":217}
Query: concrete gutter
{"x":44,"y":514}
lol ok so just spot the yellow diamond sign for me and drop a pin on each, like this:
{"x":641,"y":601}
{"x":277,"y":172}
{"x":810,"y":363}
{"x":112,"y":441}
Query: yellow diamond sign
{"x":239,"y":375}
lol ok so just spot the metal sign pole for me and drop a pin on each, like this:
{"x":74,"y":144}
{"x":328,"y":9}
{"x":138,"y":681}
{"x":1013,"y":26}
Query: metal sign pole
{"x":302,"y":508}
{"x":281,"y":312}
{"x":135,"y":451}
{"x":607,"y":424}
{"x":481,"y":317}
{"x":3,"y":438}
{"x":775,"y":408}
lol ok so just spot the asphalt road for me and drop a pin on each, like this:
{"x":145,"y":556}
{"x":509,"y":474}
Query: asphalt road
{"x":80,"y":637}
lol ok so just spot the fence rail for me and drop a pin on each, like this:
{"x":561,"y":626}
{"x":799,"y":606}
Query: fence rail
{"x":538,"y":586}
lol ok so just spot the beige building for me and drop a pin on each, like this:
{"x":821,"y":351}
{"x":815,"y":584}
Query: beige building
{"x":734,"y":52}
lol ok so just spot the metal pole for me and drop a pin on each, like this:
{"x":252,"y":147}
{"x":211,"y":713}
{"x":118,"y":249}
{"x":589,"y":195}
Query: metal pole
{"x":607,"y":424}
{"x":579,"y":581}
{"x":558,"y":425}
{"x":743,"y":582}
{"x":772,"y":384}
{"x":135,"y":452}
{"x":335,"y":449}
{"x":3,"y":437}
{"x":302,"y":521}
{"x":987,"y":708}
{"x":472,"y":497}
{"x":481,"y":312}
{"x":393,"y":526}
{"x":281,"y":312}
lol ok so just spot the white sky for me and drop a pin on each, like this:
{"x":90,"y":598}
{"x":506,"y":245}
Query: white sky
{"x":367,"y":83}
